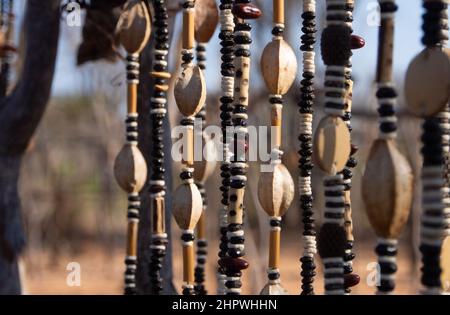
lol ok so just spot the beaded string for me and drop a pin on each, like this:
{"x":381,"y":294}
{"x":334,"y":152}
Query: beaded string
{"x":305,"y":139}
{"x":234,"y":262}
{"x":276,"y":187}
{"x":8,"y":49}
{"x":158,"y":111}
{"x":336,"y":53}
{"x":130,"y":168}
{"x":436,"y":207}
{"x":190,"y":95}
{"x":226,"y":108}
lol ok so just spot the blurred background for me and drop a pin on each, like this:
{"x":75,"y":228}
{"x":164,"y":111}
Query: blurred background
{"x":75,"y":212}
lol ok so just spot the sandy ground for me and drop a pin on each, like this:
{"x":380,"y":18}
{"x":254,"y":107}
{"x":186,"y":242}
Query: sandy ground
{"x":101,"y":271}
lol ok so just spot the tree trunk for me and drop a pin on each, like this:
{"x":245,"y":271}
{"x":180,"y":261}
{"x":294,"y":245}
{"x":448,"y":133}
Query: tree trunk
{"x":20,"y":114}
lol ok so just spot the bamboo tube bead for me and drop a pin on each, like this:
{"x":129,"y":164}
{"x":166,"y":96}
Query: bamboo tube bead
{"x":278,"y":11}
{"x":188,"y":29}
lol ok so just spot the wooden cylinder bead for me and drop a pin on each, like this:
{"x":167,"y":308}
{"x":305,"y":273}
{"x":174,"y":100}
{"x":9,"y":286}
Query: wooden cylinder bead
{"x":445,"y":262}
{"x":205,"y":168}
{"x":385,"y":51}
{"x":348,"y":221}
{"x":201,"y":227}
{"x":206,"y":20}
{"x":158,"y":211}
{"x":331,"y":145}
{"x":132,"y":235}
{"x":132,"y":98}
{"x":427,"y":82}
{"x":278,"y":11}
{"x":278,"y":66}
{"x":274,"y":248}
{"x":387,"y":187}
{"x":276,"y":191}
{"x":188,"y":147}
{"x":190,"y":91}
{"x":188,"y":29}
{"x":237,"y":206}
{"x":276,"y":118}
{"x":188,"y":263}
{"x":187,"y":206}
{"x":130,"y":169}
{"x":134,"y":26}
{"x":241,"y":82}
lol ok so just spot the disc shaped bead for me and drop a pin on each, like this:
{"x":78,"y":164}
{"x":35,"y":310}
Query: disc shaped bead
{"x":387,"y":186}
{"x":190,"y":90}
{"x":130,"y":169}
{"x":276,"y":190}
{"x":278,"y":66}
{"x":187,"y":206}
{"x":427,"y":83}
{"x":206,"y":20}
{"x":331,"y":145}
{"x":134,"y":26}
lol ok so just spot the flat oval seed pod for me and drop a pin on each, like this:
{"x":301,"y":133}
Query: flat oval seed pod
{"x":134,"y":26}
{"x":130,"y":169}
{"x":331,"y":145}
{"x":187,"y":206}
{"x":273,"y":289}
{"x":427,"y":83}
{"x":205,"y":167}
{"x":206,"y":20}
{"x":190,"y":90}
{"x":276,"y":190}
{"x":445,"y":262}
{"x":387,"y":187}
{"x":278,"y":66}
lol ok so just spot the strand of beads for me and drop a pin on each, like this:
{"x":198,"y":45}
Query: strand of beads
{"x":226,"y":108}
{"x":130,"y":168}
{"x":305,"y":139}
{"x":332,"y":143}
{"x":387,"y":194}
{"x":234,"y":262}
{"x":206,"y":19}
{"x":275,"y":186}
{"x":7,"y":48}
{"x":190,"y":95}
{"x":427,"y":94}
{"x":158,"y":111}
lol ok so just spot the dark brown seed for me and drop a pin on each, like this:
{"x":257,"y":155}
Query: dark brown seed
{"x":357,"y":42}
{"x":350,"y":280}
{"x":246,"y":11}
{"x":354,"y":149}
{"x":233,"y":264}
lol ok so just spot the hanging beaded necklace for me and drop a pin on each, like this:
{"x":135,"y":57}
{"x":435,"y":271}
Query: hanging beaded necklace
{"x":427,"y":94}
{"x":130,"y":168}
{"x":190,"y":95}
{"x":387,"y":194}
{"x":276,"y":187}
{"x":158,"y":111}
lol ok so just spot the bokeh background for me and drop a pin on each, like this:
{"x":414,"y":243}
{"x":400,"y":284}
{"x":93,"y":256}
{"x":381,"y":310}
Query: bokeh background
{"x":75,"y":212}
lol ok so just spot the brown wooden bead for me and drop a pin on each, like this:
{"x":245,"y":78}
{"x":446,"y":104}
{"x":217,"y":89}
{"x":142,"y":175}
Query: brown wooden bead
{"x":233,"y":264}
{"x":207,"y":165}
{"x":206,"y":20}
{"x":278,"y":66}
{"x":276,"y":190}
{"x":274,"y":289}
{"x":134,"y":26}
{"x":187,"y":206}
{"x":331,"y":145}
{"x":387,"y":189}
{"x":246,"y":11}
{"x":445,"y":261}
{"x":427,"y":83}
{"x":357,"y":42}
{"x":190,"y":91}
{"x":130,"y":169}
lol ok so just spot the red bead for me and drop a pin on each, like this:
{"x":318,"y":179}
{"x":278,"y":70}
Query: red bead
{"x":246,"y":11}
{"x":350,"y":280}
{"x":233,"y":264}
{"x":357,"y":42}
{"x":354,"y":149}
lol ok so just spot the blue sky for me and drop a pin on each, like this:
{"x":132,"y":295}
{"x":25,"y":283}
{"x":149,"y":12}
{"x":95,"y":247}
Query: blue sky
{"x":69,"y":78}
